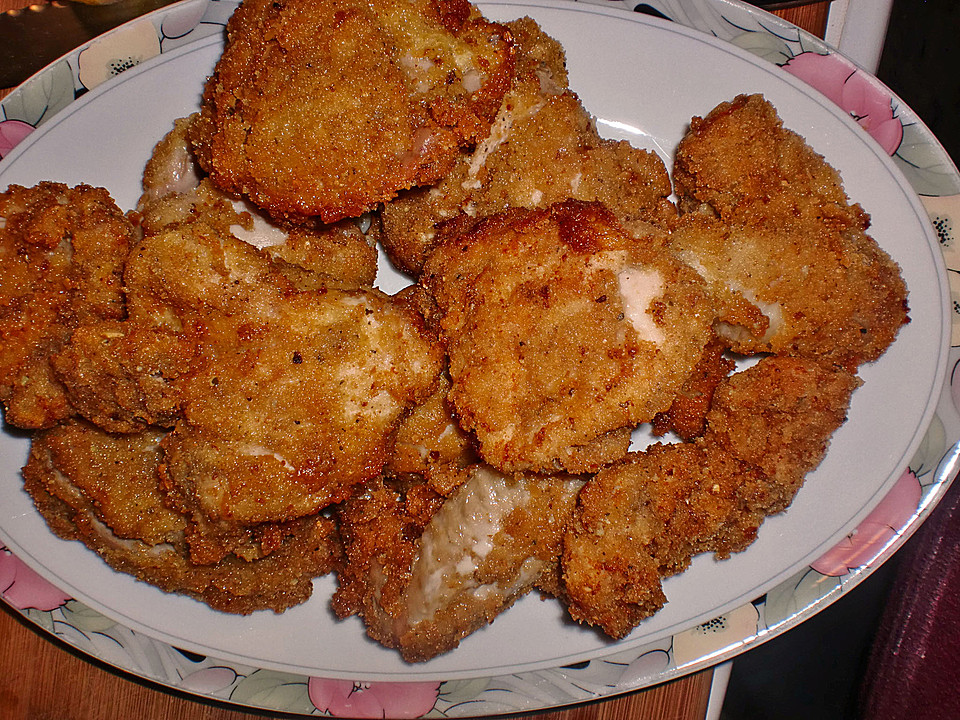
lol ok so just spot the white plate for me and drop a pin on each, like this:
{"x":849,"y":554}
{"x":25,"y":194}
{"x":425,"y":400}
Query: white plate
{"x":643,"y":81}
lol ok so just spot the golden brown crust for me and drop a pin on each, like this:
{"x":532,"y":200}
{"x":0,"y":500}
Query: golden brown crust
{"x":768,"y":224}
{"x":430,"y":445}
{"x":543,"y":148}
{"x":295,"y":401}
{"x":326,"y":109}
{"x":121,"y":375}
{"x":740,"y":161}
{"x":779,"y":417}
{"x":62,"y":250}
{"x":645,"y":518}
{"x":101,"y":489}
{"x":688,"y":412}
{"x":340,"y":252}
{"x":563,"y":333}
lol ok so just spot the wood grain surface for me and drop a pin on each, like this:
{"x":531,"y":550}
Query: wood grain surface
{"x":42,"y":679}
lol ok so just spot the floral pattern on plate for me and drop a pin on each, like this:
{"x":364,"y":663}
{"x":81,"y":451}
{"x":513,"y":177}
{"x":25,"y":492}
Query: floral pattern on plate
{"x":930,"y":172}
{"x":23,"y":588}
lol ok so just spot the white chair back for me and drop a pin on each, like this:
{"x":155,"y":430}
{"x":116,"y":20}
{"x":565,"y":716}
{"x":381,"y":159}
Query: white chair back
{"x":857,"y":28}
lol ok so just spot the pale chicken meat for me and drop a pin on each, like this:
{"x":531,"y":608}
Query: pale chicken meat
{"x":423,"y":581}
{"x":543,"y":148}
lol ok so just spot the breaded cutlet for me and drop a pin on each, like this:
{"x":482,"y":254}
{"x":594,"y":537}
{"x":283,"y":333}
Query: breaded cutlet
{"x":768,"y":224}
{"x":564,"y":333}
{"x":423,"y":581}
{"x":62,"y":251}
{"x":101,"y":489}
{"x":646,"y":517}
{"x":329,"y":108}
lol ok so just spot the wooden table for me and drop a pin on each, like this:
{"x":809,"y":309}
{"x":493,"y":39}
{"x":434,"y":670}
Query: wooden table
{"x":41,"y":679}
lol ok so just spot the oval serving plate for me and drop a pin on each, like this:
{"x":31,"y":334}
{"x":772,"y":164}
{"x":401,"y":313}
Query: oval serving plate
{"x":887,"y":466}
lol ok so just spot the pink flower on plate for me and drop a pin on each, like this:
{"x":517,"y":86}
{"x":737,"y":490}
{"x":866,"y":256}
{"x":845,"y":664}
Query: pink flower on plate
{"x":346,"y":698}
{"x":852,"y":90}
{"x":11,"y":133}
{"x":877,"y":529}
{"x":23,"y":588}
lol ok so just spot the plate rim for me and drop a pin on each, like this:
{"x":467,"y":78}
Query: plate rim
{"x":944,"y":473}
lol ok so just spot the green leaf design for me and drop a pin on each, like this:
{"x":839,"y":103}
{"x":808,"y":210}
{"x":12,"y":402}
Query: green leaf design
{"x":274,"y":690}
{"x":796,"y":594}
{"x":925,"y":164}
{"x":457,"y":691}
{"x":932,"y":448}
{"x":84,"y":619}
{"x":42,"y":97}
{"x":764,"y":45}
{"x":40,"y":617}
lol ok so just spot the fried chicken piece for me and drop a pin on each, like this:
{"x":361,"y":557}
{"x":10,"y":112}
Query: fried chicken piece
{"x":778,"y":417}
{"x":110,"y":477}
{"x":564,"y":333}
{"x":122,"y":375}
{"x":646,"y":517}
{"x":744,"y":165}
{"x":101,"y":489}
{"x":422,"y":584}
{"x":543,"y":148}
{"x":327,"y":109}
{"x":769,"y":226}
{"x":687,"y":416}
{"x":176,"y":191}
{"x":62,"y":252}
{"x":295,"y":402}
{"x":611,"y":566}
{"x":429,"y":444}
{"x":299,"y":379}
{"x":294,"y":395}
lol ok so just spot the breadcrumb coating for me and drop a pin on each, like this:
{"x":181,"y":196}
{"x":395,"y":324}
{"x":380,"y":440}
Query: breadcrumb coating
{"x":101,"y":489}
{"x":769,"y":226}
{"x":328,"y":108}
{"x":254,"y":414}
{"x":645,"y":518}
{"x":564,"y":333}
{"x":543,"y":148}
{"x":62,"y":251}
